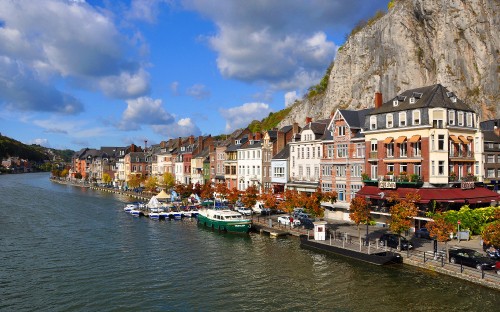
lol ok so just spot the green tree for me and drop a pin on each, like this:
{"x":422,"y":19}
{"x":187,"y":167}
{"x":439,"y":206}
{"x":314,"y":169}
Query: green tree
{"x":151,"y":184}
{"x":134,"y":180}
{"x":106,"y":178}
{"x":64,"y":173}
{"x":167,"y":181}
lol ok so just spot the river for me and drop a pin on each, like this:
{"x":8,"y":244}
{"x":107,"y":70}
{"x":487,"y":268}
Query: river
{"x":65,"y":248}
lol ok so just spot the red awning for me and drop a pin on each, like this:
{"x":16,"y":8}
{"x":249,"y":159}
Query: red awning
{"x":447,"y":195}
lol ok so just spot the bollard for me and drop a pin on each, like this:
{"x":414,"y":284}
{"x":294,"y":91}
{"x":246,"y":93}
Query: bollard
{"x":377,"y":242}
{"x":369,"y":245}
{"x":330,"y":239}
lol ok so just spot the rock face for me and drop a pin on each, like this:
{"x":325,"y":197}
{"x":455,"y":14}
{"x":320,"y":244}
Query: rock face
{"x":417,"y":43}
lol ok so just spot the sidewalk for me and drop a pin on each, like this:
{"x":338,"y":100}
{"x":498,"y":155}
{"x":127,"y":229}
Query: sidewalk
{"x":421,"y":244}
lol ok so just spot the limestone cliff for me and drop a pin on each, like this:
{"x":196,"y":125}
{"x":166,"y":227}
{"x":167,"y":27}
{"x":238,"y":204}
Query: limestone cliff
{"x":417,"y":43}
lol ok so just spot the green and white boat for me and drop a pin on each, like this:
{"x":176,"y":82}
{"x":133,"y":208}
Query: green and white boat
{"x":224,"y":220}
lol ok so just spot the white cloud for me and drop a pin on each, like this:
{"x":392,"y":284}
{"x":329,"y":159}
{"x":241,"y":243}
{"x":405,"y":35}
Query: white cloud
{"x":144,"y":111}
{"x":41,"y":142}
{"x":126,"y":85}
{"x":241,"y":116}
{"x":198,"y":91}
{"x":145,"y":10}
{"x":290,"y":98}
{"x":184,"y":127}
{"x":50,"y":41}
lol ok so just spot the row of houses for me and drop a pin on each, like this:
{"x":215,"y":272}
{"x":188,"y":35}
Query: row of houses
{"x":424,"y":139}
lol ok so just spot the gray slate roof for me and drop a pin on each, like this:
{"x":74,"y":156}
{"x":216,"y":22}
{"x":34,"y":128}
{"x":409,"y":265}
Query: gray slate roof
{"x":284,"y":153}
{"x":426,"y":97}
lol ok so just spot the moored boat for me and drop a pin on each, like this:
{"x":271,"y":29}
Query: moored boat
{"x":224,"y":220}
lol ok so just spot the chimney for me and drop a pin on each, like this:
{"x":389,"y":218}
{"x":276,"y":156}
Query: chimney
{"x":308,"y":120}
{"x":496,"y":130}
{"x":200,"y":143}
{"x":378,"y":99}
{"x":179,"y":142}
{"x":257,"y":136}
{"x":280,"y":141}
{"x":163,"y":144}
{"x":191,"y":139}
{"x":295,"y":128}
{"x":250,"y":137}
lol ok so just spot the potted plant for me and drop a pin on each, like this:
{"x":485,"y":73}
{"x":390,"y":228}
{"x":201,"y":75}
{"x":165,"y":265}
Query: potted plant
{"x":403,"y":176}
{"x":414,"y":177}
{"x":365,"y":176}
{"x":453,"y":176}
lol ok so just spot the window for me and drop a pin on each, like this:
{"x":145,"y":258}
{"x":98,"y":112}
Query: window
{"x":308,"y":171}
{"x":402,"y":149}
{"x":293,"y":161}
{"x":340,"y":171}
{"x":389,"y":121}
{"x":490,"y":173}
{"x":390,"y":168}
{"x":308,"y":154}
{"x":417,"y":149}
{"x":301,"y":172}
{"x":314,"y":152}
{"x":416,"y":117}
{"x":329,"y":151}
{"x":354,"y":189}
{"x":326,"y":187}
{"x":469,"y":119}
{"x":319,"y":151}
{"x":441,"y":142}
{"x":341,"y":130}
{"x":490,"y":159}
{"x":390,"y":149}
{"x":460,"y":118}
{"x":477,"y":167}
{"x":417,"y":169}
{"x":302,"y":152}
{"x":403,"y":168}
{"x":373,"y":146}
{"x":360,"y":150}
{"x":438,"y":117}
{"x":341,"y":192}
{"x":433,"y":168}
{"x":441,"y":167}
{"x":374,"y":171}
{"x":451,"y":117}
{"x":316,"y":172}
{"x":498,"y":173}
{"x":356,"y":170}
{"x":326,"y":170}
{"x":373,"y":122}
{"x":402,"y":119}
{"x":341,"y":150}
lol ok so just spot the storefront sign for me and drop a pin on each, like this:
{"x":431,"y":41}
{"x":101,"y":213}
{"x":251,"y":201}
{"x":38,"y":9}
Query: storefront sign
{"x":467,"y":185}
{"x":386,"y":184}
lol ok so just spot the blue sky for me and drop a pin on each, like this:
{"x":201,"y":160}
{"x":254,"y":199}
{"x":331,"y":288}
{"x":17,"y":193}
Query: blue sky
{"x":77,"y":73}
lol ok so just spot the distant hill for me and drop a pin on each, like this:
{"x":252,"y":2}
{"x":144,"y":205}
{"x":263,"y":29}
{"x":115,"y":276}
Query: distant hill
{"x":270,"y":122}
{"x":13,"y":148}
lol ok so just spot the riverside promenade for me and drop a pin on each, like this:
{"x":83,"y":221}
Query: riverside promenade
{"x":345,"y":234}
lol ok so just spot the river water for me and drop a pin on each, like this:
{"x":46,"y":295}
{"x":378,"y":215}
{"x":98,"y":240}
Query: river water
{"x":65,"y":248}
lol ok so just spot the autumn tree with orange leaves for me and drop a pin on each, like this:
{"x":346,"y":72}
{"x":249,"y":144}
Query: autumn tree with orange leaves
{"x":359,"y":212}
{"x":233,"y":195}
{"x":207,"y":190}
{"x":269,"y":200}
{"x":440,"y":228}
{"x":403,"y":212}
{"x":249,"y":197}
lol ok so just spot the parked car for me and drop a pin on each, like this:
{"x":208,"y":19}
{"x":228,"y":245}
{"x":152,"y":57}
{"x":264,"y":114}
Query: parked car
{"x":286,"y":220}
{"x":307,"y":223}
{"x":392,"y":240}
{"x":244,"y":211}
{"x":471,"y":258}
{"x":423,"y":233}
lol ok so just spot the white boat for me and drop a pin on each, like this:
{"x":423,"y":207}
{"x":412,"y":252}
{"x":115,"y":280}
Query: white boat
{"x":130,"y":207}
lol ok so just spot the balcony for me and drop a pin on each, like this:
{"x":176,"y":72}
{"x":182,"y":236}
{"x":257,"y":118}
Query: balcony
{"x":402,"y":180}
{"x":373,"y":155}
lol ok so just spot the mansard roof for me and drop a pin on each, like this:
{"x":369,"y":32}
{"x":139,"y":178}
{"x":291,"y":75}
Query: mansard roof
{"x":283,"y":154}
{"x":435,"y":96}
{"x":355,"y":118}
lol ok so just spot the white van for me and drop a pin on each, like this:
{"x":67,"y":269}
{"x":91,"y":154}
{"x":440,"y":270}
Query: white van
{"x":258,"y":207}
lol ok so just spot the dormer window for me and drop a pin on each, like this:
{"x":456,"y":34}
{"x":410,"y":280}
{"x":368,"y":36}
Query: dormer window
{"x":417,"y":95}
{"x":183,"y":148}
{"x":395,"y":103}
{"x":373,"y":122}
{"x":451,"y":117}
{"x":389,"y":121}
{"x":454,"y":99}
{"x":341,"y":131}
{"x":412,"y":100}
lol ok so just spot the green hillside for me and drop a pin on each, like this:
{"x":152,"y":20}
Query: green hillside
{"x":13,"y":148}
